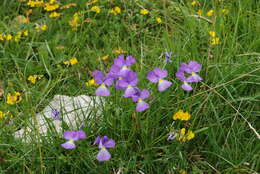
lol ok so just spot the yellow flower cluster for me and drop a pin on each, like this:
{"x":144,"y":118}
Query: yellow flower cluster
{"x":91,"y":2}
{"x":34,"y":78}
{"x":66,"y":6}
{"x":115,"y":10}
{"x":144,"y":12}
{"x":119,"y":50}
{"x":54,"y":14}
{"x":103,"y":58}
{"x":41,"y":27}
{"x":72,"y":61}
{"x":35,"y":3}
{"x":181,"y":115}
{"x":2,"y":115}
{"x":74,"y":22}
{"x":182,"y":135}
{"x":210,"y":13}
{"x":96,"y":9}
{"x":213,"y":39}
{"x":51,"y":5}
{"x":17,"y":37}
{"x":13,"y":99}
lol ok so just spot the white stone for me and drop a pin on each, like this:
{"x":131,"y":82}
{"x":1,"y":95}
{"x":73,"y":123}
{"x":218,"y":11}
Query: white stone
{"x":74,"y":111}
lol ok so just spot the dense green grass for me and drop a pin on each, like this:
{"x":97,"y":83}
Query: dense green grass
{"x":223,"y":106}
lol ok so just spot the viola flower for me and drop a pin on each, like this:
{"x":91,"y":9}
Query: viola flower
{"x":72,"y":136}
{"x":168,"y":56}
{"x":55,"y":114}
{"x":128,"y":84}
{"x":138,"y":97}
{"x":171,"y":136}
{"x":100,"y":79}
{"x":157,"y":76}
{"x":121,"y":65}
{"x":104,"y":143}
{"x":181,"y":115}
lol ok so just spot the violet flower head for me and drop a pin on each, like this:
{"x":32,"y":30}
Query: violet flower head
{"x":128,"y":83}
{"x":168,"y":56}
{"x":72,"y":136}
{"x":139,"y":97}
{"x":191,"y":68}
{"x":171,"y":136}
{"x":157,"y":76}
{"x":122,"y":65}
{"x":103,"y":81}
{"x":55,"y":114}
{"x":104,"y":143}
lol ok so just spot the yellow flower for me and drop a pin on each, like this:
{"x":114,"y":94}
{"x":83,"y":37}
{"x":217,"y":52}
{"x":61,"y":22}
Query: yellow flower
{"x":33,"y":78}
{"x":210,"y":13}
{"x":181,"y":115}
{"x":36,"y":3}
{"x":54,"y":15}
{"x":225,"y":11}
{"x":72,"y":61}
{"x":91,"y":2}
{"x":190,"y":135}
{"x":8,"y":37}
{"x":2,"y":115}
{"x":104,"y":58}
{"x":18,"y":36}
{"x":214,"y":41}
{"x":66,"y":6}
{"x":12,"y":99}
{"x":195,"y":3}
{"x":44,"y":27}
{"x":51,"y":6}
{"x":200,"y":12}
{"x":91,"y":83}
{"x":212,"y":33}
{"x":159,"y":20}
{"x":25,"y":33}
{"x":2,"y":38}
{"x":144,"y":12}
{"x":115,"y":10}
{"x":183,"y":171}
{"x":95,"y":9}
{"x":119,"y":50}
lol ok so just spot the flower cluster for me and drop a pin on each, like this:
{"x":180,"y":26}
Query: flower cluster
{"x":34,"y":78}
{"x":126,"y":80}
{"x":72,"y":61}
{"x":192,"y":68}
{"x":103,"y":143}
{"x":13,"y":37}
{"x":13,"y":99}
{"x":181,"y":115}
{"x":214,"y":40}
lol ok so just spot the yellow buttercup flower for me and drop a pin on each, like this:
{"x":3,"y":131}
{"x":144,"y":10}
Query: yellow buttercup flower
{"x":96,"y":9}
{"x":210,"y":13}
{"x":13,"y":99}
{"x":2,"y":115}
{"x":159,"y":20}
{"x":181,"y":115}
{"x":54,"y":15}
{"x":144,"y":12}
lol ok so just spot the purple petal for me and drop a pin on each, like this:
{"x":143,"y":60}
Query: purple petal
{"x":110,"y":143}
{"x":194,"y":78}
{"x":68,"y":135}
{"x":109,"y":81}
{"x":114,"y":69}
{"x":141,"y":106}
{"x":186,"y":87}
{"x":129,"y":92}
{"x":103,"y":155}
{"x":98,"y":77}
{"x":122,"y":84}
{"x":118,"y":87}
{"x":160,"y":73}
{"x":194,"y":66}
{"x":163,"y":85}
{"x":102,"y":91}
{"x":130,"y":61}
{"x":136,"y":95}
{"x":144,"y":94}
{"x":55,"y":114}
{"x":97,"y":140}
{"x":81,"y":134}
{"x":152,"y":77}
{"x":180,"y":75}
{"x":124,"y":71}
{"x":120,"y":61}
{"x":68,"y":145}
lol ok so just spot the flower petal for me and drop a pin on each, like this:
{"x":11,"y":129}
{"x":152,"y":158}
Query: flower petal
{"x":130,"y":60}
{"x":68,"y":145}
{"x":110,"y":143}
{"x":120,"y":61}
{"x":180,"y":75}
{"x":102,"y":91}
{"x":103,"y":155}
{"x":129,"y":92}
{"x":80,"y":134}
{"x":141,"y":106}
{"x":186,"y":87}
{"x":194,"y":78}
{"x":70,"y":135}
{"x":152,"y":77}
{"x":144,"y":94}
{"x":194,"y":66}
{"x":97,"y":140}
{"x":98,"y":76}
{"x":163,"y":85}
{"x":161,"y":73}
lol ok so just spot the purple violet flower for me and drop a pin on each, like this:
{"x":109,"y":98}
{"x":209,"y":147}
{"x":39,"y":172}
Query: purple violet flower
{"x":138,"y":97}
{"x":157,"y":76}
{"x":168,"y":56}
{"x":128,"y":83}
{"x":104,"y":143}
{"x":99,"y":78}
{"x":72,"y":136}
{"x":192,"y":68}
{"x":121,"y":65}
{"x":171,"y":136}
{"x":55,"y":114}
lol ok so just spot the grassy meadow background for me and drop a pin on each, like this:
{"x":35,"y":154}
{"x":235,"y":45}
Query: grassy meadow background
{"x":224,"y":107}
